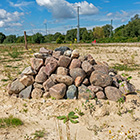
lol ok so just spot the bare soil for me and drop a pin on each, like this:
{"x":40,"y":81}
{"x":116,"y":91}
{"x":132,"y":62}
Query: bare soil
{"x":102,"y":119}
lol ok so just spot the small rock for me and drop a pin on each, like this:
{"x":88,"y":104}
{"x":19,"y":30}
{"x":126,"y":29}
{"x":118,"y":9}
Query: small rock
{"x":64,"y":61}
{"x":46,"y":95}
{"x":28,"y":71}
{"x":71,"y":92}
{"x":76,"y":63}
{"x":36,"y":63}
{"x":62,"y":49}
{"x":90,"y":59}
{"x":48,"y":84}
{"x":64,"y":79}
{"x":68,"y":53}
{"x":40,"y":55}
{"x":78,"y":81}
{"x":45,"y":51}
{"x":126,"y":87}
{"x":50,"y":68}
{"x":37,"y":93}
{"x":27,"y":80}
{"x":86,"y":82}
{"x":95,"y":89}
{"x":115,"y":82}
{"x":56,"y":54}
{"x":37,"y":85}
{"x":112,"y":93}
{"x":87,"y":67}
{"x":77,"y":72}
{"x":15,"y":87}
{"x":100,"y":95}
{"x":53,"y":77}
{"x":62,"y":71}
{"x":82,"y":58}
{"x":75,"y":54}
{"x":41,"y":76}
{"x":26,"y":93}
{"x":85,"y":93}
{"x":100,"y":79}
{"x":58,"y":91}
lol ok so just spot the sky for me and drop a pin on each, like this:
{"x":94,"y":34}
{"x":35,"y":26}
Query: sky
{"x":51,"y":16}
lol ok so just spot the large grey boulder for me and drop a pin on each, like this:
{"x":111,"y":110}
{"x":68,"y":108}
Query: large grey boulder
{"x":101,"y":79}
{"x":112,"y":93}
{"x":26,"y":93}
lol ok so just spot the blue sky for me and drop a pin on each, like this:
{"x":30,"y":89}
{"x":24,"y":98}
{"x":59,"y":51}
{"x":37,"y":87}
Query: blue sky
{"x":61,"y":15}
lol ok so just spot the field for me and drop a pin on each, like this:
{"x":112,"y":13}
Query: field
{"x":101,"y":119}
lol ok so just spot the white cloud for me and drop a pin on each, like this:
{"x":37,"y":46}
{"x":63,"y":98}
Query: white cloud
{"x":109,"y":14}
{"x":64,"y":9}
{"x":137,"y":3}
{"x":20,"y":5}
{"x":10,"y":19}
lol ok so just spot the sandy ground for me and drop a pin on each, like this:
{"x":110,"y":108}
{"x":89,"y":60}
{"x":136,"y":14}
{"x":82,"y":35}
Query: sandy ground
{"x":101,"y":120}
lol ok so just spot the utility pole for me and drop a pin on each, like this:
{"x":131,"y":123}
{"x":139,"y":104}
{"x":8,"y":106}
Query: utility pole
{"x":111,"y":28}
{"x":78,"y":38}
{"x":25,"y":38}
{"x":46,"y":27}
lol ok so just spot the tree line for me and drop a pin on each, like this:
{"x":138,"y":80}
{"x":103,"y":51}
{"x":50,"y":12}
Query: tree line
{"x":105,"y":34}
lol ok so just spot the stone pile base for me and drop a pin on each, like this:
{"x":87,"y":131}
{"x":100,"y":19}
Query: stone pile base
{"x":63,"y":73}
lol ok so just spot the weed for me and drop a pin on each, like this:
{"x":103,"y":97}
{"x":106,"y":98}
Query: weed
{"x":39,"y":134}
{"x":10,"y":122}
{"x":25,"y":110}
{"x":53,"y":98}
{"x":79,"y":112}
{"x":4,"y":80}
{"x":69,"y":117}
{"x":25,"y":105}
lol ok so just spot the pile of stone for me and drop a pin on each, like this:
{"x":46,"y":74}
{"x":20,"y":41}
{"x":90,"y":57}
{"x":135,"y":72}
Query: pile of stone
{"x":64,"y":74}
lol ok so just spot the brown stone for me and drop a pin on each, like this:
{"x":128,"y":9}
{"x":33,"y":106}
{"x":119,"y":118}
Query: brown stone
{"x":95,"y":89}
{"x":27,"y":80}
{"x":100,"y":79}
{"x":37,"y":85}
{"x":46,"y":95}
{"x":77,"y":72}
{"x":85,"y":93}
{"x":87,"y":67}
{"x":48,"y":84}
{"x":28,"y":71}
{"x":15,"y":87}
{"x":64,"y":79}
{"x":82,"y":58}
{"x":64,"y":61}
{"x":36,"y":63}
{"x":56,"y":54}
{"x":76,"y":63}
{"x":75,"y":54}
{"x":58,"y":91}
{"x":41,"y":76}
{"x":45,"y":51}
{"x":50,"y":68}
{"x":126,"y":87}
{"x":112,"y":93}
{"x":100,"y":95}
{"x":50,"y":59}
{"x":37,"y":93}
{"x":90,"y":59}
{"x":78,"y":81}
{"x":53,"y":77}
{"x":62,"y":71}
{"x":86,"y":81}
{"x":101,"y":68}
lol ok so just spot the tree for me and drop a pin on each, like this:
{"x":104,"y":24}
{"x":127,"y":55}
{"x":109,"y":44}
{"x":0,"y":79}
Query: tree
{"x":2,"y":37}
{"x":71,"y":35}
{"x":98,"y":32}
{"x":10,"y":39}
{"x":56,"y":35}
{"x":38,"y":38}
{"x":107,"y":29}
{"x":20,"y":39}
{"x":85,"y":36}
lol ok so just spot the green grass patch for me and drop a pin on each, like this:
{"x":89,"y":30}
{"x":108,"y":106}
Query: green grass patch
{"x":10,"y":122}
{"x":122,"y":67}
{"x":4,"y":80}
